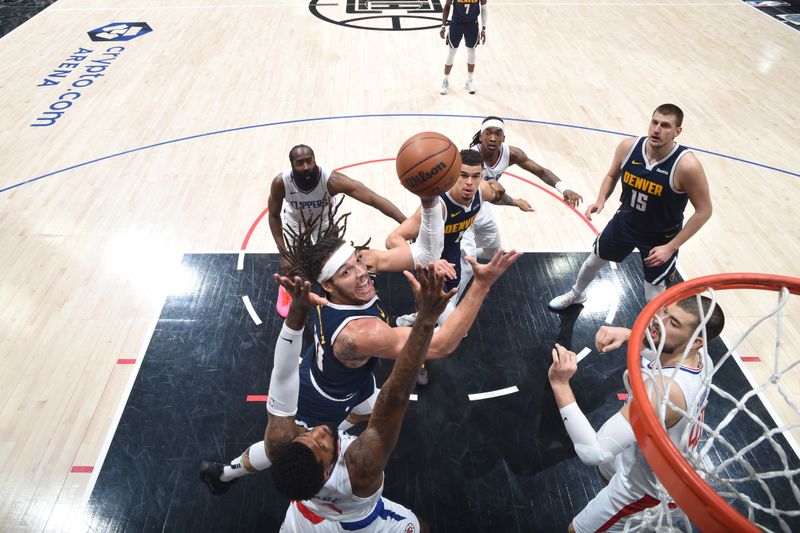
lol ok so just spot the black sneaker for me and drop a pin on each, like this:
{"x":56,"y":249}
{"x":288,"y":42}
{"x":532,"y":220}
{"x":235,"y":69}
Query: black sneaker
{"x":210,"y":474}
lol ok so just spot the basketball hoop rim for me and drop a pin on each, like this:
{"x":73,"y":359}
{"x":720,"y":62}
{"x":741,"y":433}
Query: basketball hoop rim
{"x":707,"y":509}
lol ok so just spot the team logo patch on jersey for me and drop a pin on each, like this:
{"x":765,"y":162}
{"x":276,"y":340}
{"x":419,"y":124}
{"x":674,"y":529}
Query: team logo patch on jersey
{"x":380,"y":15}
{"x":120,"y":31}
{"x":410,"y":528}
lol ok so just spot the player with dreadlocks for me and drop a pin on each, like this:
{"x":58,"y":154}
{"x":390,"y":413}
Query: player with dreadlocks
{"x":337,"y":387}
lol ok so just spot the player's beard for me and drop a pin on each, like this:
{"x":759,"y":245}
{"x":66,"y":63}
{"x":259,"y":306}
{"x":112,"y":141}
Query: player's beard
{"x":306,"y":180}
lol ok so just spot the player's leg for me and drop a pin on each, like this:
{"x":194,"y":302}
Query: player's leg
{"x":471,"y":40}
{"x":454,"y":35}
{"x":613,"y":244}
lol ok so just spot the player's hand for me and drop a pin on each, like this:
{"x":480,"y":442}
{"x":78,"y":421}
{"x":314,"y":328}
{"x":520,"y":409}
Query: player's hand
{"x":427,"y":289}
{"x":302,"y":297}
{"x":659,"y":255}
{"x":593,"y":209}
{"x":572,"y":198}
{"x":524,"y":205}
{"x":445,"y":268}
{"x":565,"y":364}
{"x":441,"y":34}
{"x":483,"y":36}
{"x":610,"y":338}
{"x":487,"y":274}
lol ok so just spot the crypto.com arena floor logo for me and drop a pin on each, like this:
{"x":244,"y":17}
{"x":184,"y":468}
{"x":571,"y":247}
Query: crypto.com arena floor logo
{"x":120,"y":31}
{"x":382,"y":15}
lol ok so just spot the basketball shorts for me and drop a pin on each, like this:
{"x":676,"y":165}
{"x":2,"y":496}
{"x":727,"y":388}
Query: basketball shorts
{"x":619,"y":238}
{"x":469,"y":32}
{"x":316,"y":406}
{"x":613,"y":507}
{"x":387,"y":517}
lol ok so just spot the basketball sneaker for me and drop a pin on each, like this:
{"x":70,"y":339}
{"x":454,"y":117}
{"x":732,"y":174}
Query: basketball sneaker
{"x":444,"y":87}
{"x":210,"y":474}
{"x":559,"y":303}
{"x":283,"y":303}
{"x":470,"y":86}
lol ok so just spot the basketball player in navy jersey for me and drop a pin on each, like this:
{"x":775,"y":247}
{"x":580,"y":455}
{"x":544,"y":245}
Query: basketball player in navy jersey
{"x":464,"y":25}
{"x":308,"y":189}
{"x":350,"y":330}
{"x":659,"y":177}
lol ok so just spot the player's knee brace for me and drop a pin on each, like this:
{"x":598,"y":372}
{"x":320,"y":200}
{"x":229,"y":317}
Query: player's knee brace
{"x":471,"y":56}
{"x":451,"y":55}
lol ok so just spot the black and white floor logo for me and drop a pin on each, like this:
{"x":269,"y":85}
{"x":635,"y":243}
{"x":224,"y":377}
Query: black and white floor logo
{"x":120,"y":31}
{"x":383,"y":15}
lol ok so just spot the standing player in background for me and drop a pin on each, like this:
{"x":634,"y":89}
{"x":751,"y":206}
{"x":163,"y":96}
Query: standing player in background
{"x":464,"y":24}
{"x":659,"y":177}
{"x":482,"y":240}
{"x":307,"y":190}
{"x":631,"y":484}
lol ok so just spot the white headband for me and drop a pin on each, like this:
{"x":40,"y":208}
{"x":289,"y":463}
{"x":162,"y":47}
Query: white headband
{"x":339,"y":257}
{"x":493,"y":123}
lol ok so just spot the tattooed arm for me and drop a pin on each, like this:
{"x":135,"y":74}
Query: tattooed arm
{"x":367,"y":456}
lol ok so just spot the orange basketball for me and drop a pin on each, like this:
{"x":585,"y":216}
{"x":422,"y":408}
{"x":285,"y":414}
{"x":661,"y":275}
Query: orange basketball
{"x":428,"y":164}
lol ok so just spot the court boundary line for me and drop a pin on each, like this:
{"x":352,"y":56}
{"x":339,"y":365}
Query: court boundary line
{"x":371,"y":115}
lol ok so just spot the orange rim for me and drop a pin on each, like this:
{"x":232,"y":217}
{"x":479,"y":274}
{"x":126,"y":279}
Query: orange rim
{"x":707,"y":509}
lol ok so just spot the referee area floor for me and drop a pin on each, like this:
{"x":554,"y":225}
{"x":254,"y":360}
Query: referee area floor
{"x":501,"y":461}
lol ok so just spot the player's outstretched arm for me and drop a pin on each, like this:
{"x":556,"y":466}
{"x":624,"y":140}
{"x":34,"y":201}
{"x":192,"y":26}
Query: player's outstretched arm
{"x":521,"y":159}
{"x":284,"y":385}
{"x":367,"y":456}
{"x":406,"y":231}
{"x":610,"y":338}
{"x":590,"y":446}
{"x":339,"y":183}
{"x":275,"y":205}
{"x":610,"y":180}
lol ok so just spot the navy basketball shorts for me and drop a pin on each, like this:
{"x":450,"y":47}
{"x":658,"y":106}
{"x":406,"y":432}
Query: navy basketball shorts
{"x":619,"y":239}
{"x":316,"y":406}
{"x":468,"y":31}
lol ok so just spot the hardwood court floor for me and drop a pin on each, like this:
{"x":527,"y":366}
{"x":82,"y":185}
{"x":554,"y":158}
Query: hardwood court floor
{"x":88,"y":249}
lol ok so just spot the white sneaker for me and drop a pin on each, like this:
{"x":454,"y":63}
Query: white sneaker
{"x":406,"y":321}
{"x":470,"y":86}
{"x":444,"y":87}
{"x":565,"y":300}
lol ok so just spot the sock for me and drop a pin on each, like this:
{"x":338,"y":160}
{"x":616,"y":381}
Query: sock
{"x":234,"y":470}
{"x":446,"y":76}
{"x":588,"y":272}
{"x":469,"y":76}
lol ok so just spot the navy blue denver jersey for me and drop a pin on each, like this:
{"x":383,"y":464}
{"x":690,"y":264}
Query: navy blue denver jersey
{"x":459,"y":218}
{"x":328,"y":372}
{"x":466,"y":11}
{"x":649,"y":201}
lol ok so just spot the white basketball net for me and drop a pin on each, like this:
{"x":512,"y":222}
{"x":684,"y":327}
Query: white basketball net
{"x":759,"y":478}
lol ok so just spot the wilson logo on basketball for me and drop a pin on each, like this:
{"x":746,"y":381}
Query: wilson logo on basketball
{"x":422,"y":177}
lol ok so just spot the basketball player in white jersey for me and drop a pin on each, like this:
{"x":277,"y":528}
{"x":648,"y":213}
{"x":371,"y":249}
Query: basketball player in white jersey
{"x":482,"y":240}
{"x":334,"y":480}
{"x":631,"y":482}
{"x":307,"y":190}
{"x":659,"y":177}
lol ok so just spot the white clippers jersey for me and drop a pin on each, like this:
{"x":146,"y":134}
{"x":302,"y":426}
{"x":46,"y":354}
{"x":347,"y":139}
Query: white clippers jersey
{"x":496,"y":171}
{"x":336,"y":500}
{"x":685,"y":434}
{"x":309,"y":203}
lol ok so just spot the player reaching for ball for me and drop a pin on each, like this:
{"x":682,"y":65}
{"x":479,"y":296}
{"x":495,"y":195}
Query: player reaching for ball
{"x":306,"y":190}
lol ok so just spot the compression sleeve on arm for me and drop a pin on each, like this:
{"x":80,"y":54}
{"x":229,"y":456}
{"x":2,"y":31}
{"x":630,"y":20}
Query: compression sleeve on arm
{"x":284,"y":383}
{"x":595,"y":448}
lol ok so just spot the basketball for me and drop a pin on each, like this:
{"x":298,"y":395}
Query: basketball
{"x":428,"y":164}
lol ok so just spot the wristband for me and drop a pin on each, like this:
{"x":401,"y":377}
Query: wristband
{"x":561,"y":186}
